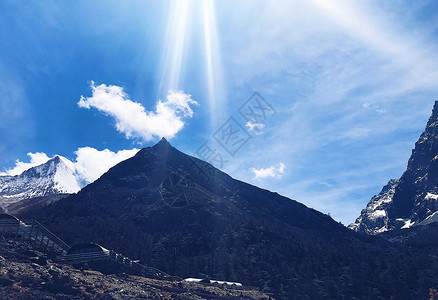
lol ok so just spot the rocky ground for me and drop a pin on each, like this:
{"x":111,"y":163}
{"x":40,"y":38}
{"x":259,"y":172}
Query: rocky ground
{"x":27,"y":272}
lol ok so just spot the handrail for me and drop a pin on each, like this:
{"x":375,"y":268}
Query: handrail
{"x":26,"y":231}
{"x":118,"y":258}
{"x":83,"y":256}
{"x":37,"y":232}
{"x":60,"y":242}
{"x":9,"y":222}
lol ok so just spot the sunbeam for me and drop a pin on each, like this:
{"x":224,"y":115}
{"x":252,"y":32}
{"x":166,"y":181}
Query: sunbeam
{"x":174,"y":59}
{"x":174,"y":47}
{"x":213,"y":62}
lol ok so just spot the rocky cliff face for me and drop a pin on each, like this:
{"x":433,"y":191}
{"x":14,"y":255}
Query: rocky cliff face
{"x":414,"y":197}
{"x":374,"y":218}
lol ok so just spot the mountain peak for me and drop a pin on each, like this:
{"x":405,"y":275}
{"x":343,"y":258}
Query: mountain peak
{"x":164,"y":141}
{"x":434,"y":117}
{"x":162,"y":145}
{"x":435,"y":107}
{"x":413,"y":198}
{"x":56,"y":176}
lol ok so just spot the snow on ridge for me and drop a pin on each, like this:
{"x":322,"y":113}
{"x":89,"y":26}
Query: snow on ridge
{"x":65,"y":177}
{"x":36,"y":159}
{"x":380,"y":230}
{"x":430,"y":219}
{"x":58,"y":175}
{"x":378,"y":213}
{"x":431,"y":196}
{"x":408,"y":224}
{"x":374,"y":218}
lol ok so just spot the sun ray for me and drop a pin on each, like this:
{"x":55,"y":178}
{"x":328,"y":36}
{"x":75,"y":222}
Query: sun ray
{"x":174,"y":47}
{"x":214,"y":83}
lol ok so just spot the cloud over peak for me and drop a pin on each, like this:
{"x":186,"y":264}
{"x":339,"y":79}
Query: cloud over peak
{"x":89,"y":164}
{"x":92,"y":163}
{"x":133,"y":120}
{"x":36,"y":159}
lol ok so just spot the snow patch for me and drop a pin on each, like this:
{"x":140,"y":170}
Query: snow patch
{"x":379,"y":213}
{"x":380,"y":230}
{"x":408,"y":224}
{"x":431,"y":196}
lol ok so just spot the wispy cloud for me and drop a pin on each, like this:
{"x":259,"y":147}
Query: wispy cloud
{"x":274,"y":171}
{"x":133,"y":120}
{"x":255,"y":127}
{"x":374,"y":107}
{"x":352,"y":81}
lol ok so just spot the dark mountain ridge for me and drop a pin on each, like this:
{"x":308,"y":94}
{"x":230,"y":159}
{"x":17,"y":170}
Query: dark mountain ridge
{"x":183,"y":216}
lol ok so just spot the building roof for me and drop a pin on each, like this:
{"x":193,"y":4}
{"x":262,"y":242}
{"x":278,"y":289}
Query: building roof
{"x":220,"y":282}
{"x":86,"y":248}
{"x":9,"y":217}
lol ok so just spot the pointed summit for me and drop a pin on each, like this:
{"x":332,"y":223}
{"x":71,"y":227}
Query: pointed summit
{"x":413,"y":198}
{"x":162,"y":145}
{"x":434,"y":117}
{"x":56,"y":159}
{"x":163,"y":141}
{"x":56,"y":176}
{"x":435,"y":108}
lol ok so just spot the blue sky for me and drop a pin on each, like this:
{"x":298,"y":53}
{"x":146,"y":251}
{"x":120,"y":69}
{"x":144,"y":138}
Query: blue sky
{"x":352,"y":85}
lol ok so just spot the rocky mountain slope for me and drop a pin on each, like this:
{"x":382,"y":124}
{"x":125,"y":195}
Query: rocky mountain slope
{"x":26,"y":273}
{"x":56,"y":176}
{"x":183,"y":216}
{"x":413,"y":199}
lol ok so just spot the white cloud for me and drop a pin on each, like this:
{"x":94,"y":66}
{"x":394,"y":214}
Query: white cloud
{"x":36,"y":159}
{"x":92,"y":163}
{"x":133,"y":120}
{"x":89,"y":165}
{"x":274,"y":171}
{"x":256,"y":127}
{"x":374,"y":107}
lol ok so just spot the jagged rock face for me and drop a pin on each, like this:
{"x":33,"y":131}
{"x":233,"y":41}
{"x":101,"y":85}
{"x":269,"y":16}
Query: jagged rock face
{"x":56,"y":176}
{"x":374,"y":218}
{"x":415,"y":196}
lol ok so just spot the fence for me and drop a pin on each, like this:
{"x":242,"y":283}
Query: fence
{"x":109,"y":255}
{"x":36,"y":232}
{"x":32,"y":231}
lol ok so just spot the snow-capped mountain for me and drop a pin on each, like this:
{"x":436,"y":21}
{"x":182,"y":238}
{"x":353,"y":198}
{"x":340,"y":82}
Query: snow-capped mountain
{"x":413,"y":199}
{"x":56,"y":176}
{"x":374,"y":218}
